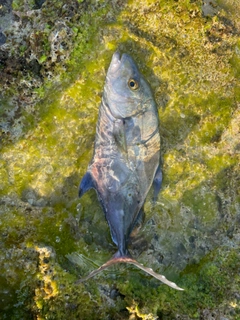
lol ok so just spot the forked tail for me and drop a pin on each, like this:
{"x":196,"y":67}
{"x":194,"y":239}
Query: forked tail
{"x":126,"y":259}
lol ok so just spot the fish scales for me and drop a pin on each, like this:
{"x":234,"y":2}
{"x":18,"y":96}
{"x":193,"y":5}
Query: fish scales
{"x":126,"y":159}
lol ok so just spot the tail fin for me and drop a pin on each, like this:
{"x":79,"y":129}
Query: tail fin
{"x":126,"y":259}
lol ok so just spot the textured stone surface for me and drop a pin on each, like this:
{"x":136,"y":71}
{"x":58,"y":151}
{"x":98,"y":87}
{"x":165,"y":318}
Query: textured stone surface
{"x":52,"y":74}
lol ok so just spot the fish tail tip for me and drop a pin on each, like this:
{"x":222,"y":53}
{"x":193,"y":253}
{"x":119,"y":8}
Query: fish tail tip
{"x":158,"y":276}
{"x":79,"y":281}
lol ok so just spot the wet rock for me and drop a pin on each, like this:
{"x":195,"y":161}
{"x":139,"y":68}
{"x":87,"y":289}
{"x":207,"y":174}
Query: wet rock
{"x":56,"y":54}
{"x":210,"y":8}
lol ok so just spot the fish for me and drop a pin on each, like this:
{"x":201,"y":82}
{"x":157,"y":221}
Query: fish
{"x":126,"y":158}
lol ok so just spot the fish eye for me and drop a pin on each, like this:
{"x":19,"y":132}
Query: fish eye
{"x":133,"y":84}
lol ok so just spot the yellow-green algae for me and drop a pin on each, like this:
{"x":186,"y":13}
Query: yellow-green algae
{"x":192,"y":232}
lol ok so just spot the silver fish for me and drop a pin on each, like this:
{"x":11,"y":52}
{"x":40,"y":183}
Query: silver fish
{"x":126,"y":156}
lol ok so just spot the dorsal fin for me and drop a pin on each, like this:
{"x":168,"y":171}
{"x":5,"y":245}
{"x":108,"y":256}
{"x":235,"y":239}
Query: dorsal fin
{"x":86,"y":184}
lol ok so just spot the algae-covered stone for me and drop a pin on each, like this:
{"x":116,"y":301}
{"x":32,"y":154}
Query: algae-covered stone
{"x":52,"y":74}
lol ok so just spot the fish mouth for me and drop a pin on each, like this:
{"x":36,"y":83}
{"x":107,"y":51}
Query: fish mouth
{"x":116,"y":62}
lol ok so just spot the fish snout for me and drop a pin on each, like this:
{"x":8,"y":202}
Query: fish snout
{"x":115,"y":63}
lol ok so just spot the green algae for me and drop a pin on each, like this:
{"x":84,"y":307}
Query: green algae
{"x":205,"y":287}
{"x":192,"y":231}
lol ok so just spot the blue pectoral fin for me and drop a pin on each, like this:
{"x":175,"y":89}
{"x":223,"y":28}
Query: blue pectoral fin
{"x":157,"y":183}
{"x":86,"y":184}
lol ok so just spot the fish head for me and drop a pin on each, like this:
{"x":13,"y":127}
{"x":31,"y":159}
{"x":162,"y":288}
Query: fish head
{"x":126,"y":92}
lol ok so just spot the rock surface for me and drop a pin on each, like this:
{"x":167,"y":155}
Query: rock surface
{"x":53,"y":57}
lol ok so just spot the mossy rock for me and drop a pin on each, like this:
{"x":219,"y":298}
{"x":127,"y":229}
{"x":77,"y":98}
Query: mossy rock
{"x":52,"y":75}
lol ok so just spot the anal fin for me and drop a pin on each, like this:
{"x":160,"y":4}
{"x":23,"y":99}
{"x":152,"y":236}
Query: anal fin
{"x":138,"y":222}
{"x":157,"y":182}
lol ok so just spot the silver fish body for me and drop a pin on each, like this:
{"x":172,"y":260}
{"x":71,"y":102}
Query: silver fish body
{"x":126,"y":156}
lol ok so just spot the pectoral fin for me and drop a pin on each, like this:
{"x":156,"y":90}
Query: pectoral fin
{"x":86,"y":184}
{"x":119,"y":135}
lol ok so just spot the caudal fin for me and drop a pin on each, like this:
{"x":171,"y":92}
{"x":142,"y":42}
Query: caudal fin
{"x":129,"y":260}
